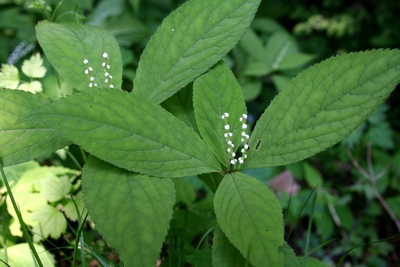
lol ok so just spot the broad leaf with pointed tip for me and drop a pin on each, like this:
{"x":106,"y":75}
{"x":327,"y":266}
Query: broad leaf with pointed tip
{"x":250,"y":216}
{"x":131,"y":211}
{"x":67,"y":46}
{"x":129,"y":132}
{"x":322,"y":105}
{"x":224,"y":253}
{"x":215,"y":93}
{"x":189,"y":41}
{"x":22,"y":142}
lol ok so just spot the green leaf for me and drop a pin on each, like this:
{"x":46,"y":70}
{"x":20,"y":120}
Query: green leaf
{"x":129,"y":132}
{"x":312,"y":262}
{"x":189,"y":41}
{"x":22,"y":142}
{"x":9,"y":76}
{"x":33,"y":87}
{"x":215,"y":93}
{"x":33,"y":67}
{"x":381,"y":135}
{"x":322,"y":105}
{"x":54,"y":188}
{"x":50,"y":222}
{"x":70,"y":209}
{"x":289,"y":257}
{"x":312,"y":176}
{"x":251,"y":87}
{"x":28,"y":193}
{"x":184,"y":192}
{"x":253,"y":44}
{"x":181,"y":106}
{"x":224,"y":253}
{"x":202,"y":258}
{"x":280,"y":45}
{"x":66,"y":47}
{"x":131,"y":211}
{"x":295,"y":60}
{"x":20,"y":255}
{"x":251,"y":217}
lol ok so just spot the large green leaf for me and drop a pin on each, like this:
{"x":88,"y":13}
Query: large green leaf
{"x":215,"y":93}
{"x":66,"y":47}
{"x":224,"y":253}
{"x":22,"y":142}
{"x":129,"y":132}
{"x":188,"y":42}
{"x":131,"y":211}
{"x":251,"y":217}
{"x":322,"y":105}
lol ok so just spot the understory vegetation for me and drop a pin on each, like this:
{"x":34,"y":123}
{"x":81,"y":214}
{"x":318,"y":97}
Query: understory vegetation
{"x":199,"y":133}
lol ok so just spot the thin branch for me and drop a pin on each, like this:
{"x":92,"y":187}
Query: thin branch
{"x":372,"y":178}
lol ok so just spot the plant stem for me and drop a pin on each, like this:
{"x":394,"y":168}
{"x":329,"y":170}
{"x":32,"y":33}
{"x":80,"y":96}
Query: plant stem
{"x":370,"y":175}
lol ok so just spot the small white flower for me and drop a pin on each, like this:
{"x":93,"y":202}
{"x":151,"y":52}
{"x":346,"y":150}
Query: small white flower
{"x":106,"y":80}
{"x":226,"y":127}
{"x":90,"y":69}
{"x":226,"y":114}
{"x":240,"y":160}
{"x":229,"y":142}
{"x":85,"y":61}
{"x":226,"y":135}
{"x":243,"y":134}
{"x":247,"y":136}
{"x":246,"y":146}
{"x":90,"y":85}
{"x":95,"y":84}
{"x":105,"y":55}
{"x":106,"y":74}
{"x":244,"y":126}
{"x":92,"y":78}
{"x":103,"y":64}
{"x":110,"y":76}
{"x":230,"y":134}
{"x":242,"y":150}
{"x":233,"y":154}
{"x":111,"y":86}
{"x":86,"y":71}
{"x":233,"y":161}
{"x":244,"y":116}
{"x":108,"y":67}
{"x":229,"y":150}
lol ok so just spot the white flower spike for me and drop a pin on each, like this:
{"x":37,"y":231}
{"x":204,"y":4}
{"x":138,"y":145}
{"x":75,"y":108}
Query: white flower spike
{"x":244,"y":140}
